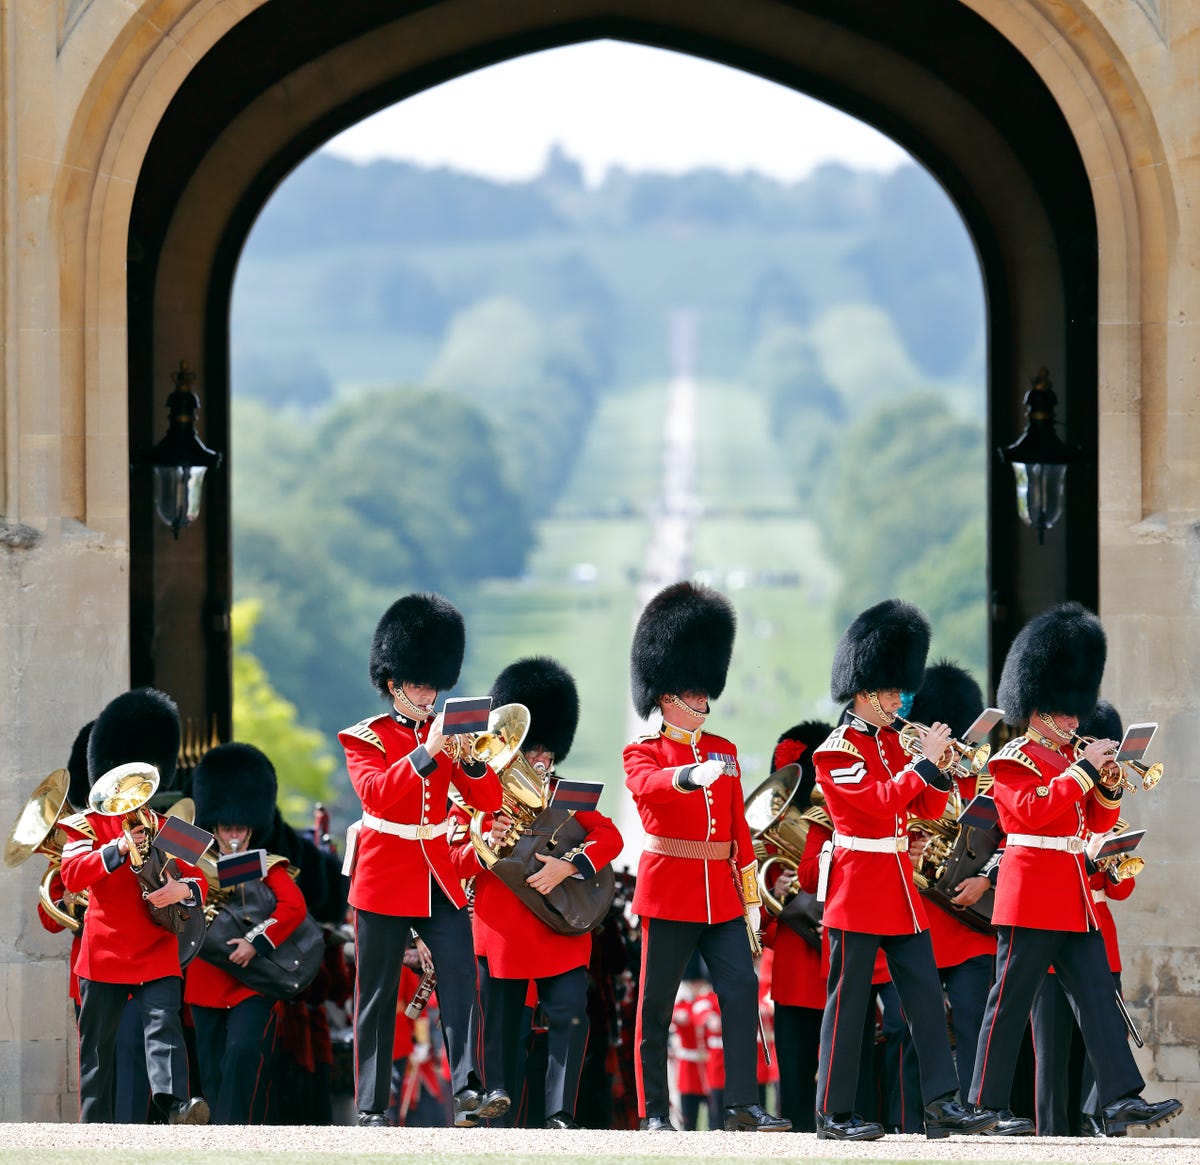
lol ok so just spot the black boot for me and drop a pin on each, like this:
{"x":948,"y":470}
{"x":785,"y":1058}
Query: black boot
{"x":188,"y":1112}
{"x":1134,"y":1110}
{"x":846,"y":1126}
{"x":1008,"y":1125}
{"x":753,"y":1118}
{"x":946,"y":1115}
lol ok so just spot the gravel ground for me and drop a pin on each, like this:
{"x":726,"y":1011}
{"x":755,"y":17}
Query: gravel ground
{"x":156,"y":1143}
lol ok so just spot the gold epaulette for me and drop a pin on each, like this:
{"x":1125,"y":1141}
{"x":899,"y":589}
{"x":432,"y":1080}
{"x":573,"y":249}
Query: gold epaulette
{"x":818,"y":815}
{"x":274,"y":859}
{"x":80,"y":823}
{"x":1015,"y":750}
{"x":363,"y":731}
{"x":837,"y":742}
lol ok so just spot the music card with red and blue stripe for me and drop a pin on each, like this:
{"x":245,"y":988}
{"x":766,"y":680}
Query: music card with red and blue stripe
{"x":182,"y":839}
{"x":248,"y":866}
{"x":466,"y":714}
{"x":577,"y":796}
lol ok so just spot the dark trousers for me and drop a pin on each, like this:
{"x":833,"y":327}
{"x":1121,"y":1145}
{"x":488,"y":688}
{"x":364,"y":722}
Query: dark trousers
{"x":1065,"y":1079}
{"x":666,"y":947}
{"x":101,"y":1008}
{"x":379,"y":943}
{"x":915,"y":974}
{"x":797,"y":1048}
{"x":563,"y":1001}
{"x":1023,"y":957}
{"x":132,"y":1088}
{"x":966,"y":986}
{"x":233,"y":1047}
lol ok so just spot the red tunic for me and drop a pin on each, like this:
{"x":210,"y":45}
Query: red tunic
{"x":516,"y":943}
{"x":121,"y":942}
{"x":871,"y":786}
{"x":798,"y":972}
{"x":54,"y":927}
{"x":209,"y":985}
{"x":1104,"y":889}
{"x":1041,"y":791}
{"x":689,"y":889}
{"x":690,"y":1050}
{"x":706,"y":1015}
{"x":394,"y":875}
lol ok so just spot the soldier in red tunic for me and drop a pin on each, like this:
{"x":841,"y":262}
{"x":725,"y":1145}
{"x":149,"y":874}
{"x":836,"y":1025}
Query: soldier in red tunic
{"x":871,"y":786}
{"x":124,"y":953}
{"x":965,"y":957}
{"x":1049,"y":796}
{"x":401,"y":875}
{"x":234,"y":789}
{"x":797,"y":976}
{"x":696,"y":884}
{"x":512,"y":945}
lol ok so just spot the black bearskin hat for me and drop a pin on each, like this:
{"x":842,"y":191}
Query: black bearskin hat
{"x":234,"y":784}
{"x":548,"y":690}
{"x":141,"y":725}
{"x":796,"y":746}
{"x":1104,"y":723}
{"x":885,"y":647}
{"x":419,"y":640}
{"x":77,"y":768}
{"x":683,"y":642}
{"x":948,"y":693}
{"x":1055,"y":664}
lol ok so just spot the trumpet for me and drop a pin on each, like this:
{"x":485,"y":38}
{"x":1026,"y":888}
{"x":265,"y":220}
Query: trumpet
{"x":1150,"y":775}
{"x":1119,"y":868}
{"x":963,"y":760}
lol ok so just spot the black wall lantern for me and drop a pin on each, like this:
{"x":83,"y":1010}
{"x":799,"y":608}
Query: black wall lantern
{"x":1039,"y":459}
{"x":181,"y":459}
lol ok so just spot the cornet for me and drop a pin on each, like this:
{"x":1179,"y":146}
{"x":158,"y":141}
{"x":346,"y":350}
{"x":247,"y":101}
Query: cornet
{"x":1150,"y":774}
{"x":964,"y":760}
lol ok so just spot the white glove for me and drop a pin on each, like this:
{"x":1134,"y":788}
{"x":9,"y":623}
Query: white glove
{"x":707,"y":771}
{"x":754,"y":913}
{"x":420,"y":1053}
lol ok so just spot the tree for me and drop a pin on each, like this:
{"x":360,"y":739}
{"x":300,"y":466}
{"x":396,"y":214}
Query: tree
{"x":262,"y":717}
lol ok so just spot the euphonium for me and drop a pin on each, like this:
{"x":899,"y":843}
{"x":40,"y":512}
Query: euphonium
{"x":36,"y":831}
{"x":523,"y":788}
{"x":964,"y":760}
{"x":775,"y":820}
{"x":1150,"y":774}
{"x":125,"y":791}
{"x":942,"y":834}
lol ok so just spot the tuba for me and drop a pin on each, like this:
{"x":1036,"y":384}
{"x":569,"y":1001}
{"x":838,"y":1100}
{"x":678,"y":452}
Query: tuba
{"x":574,"y":906}
{"x":775,"y":820}
{"x":36,"y":832}
{"x":523,"y":788}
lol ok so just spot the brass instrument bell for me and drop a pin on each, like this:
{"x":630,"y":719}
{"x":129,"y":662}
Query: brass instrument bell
{"x":36,"y":832}
{"x":125,"y":791}
{"x":775,"y":820}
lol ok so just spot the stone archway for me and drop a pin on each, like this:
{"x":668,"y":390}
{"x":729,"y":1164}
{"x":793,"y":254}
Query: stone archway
{"x":1043,"y":120}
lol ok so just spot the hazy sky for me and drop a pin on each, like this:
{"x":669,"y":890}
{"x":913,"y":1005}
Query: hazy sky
{"x":610,"y":103}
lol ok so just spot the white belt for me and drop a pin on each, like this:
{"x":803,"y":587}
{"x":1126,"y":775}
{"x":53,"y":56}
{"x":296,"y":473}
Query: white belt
{"x":874,"y":845}
{"x":408,"y":832}
{"x":1073,"y":845}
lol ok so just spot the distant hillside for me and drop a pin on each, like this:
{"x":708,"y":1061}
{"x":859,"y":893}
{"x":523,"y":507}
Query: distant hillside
{"x":355,"y":274}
